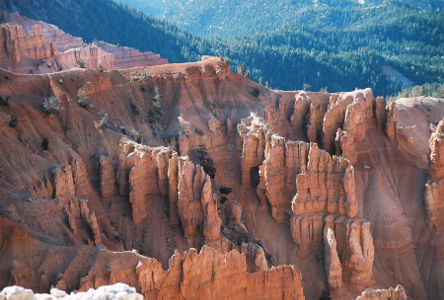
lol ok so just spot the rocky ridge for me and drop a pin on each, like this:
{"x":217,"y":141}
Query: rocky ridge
{"x":37,"y":47}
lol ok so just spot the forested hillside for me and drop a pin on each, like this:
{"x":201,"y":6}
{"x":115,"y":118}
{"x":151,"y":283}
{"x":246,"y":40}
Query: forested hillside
{"x":349,"y":48}
{"x":230,"y":18}
{"x":385,"y":47}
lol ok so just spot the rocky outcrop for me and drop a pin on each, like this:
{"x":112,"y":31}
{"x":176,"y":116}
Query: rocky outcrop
{"x":212,"y":275}
{"x":127,"y":57}
{"x":108,"y":179}
{"x":83,"y":188}
{"x":196,"y":203}
{"x":158,"y":174}
{"x":144,"y":183}
{"x":256,"y":140}
{"x":53,"y":34}
{"x":326,"y":185}
{"x":355,"y":251}
{"x":299,"y":178}
{"x":333,"y":267}
{"x":354,"y":246}
{"x":278,"y":173}
{"x":434,"y":195}
{"x":18,"y":45}
{"x":346,"y":121}
{"x":53,"y":50}
{"x":63,"y":182}
{"x":397,"y":293}
{"x":78,"y":214}
{"x":392,"y":122}
{"x":92,"y":55}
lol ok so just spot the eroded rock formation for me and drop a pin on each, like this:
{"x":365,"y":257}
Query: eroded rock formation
{"x":46,"y":48}
{"x":435,"y":185}
{"x":212,"y":275}
{"x":186,"y":156}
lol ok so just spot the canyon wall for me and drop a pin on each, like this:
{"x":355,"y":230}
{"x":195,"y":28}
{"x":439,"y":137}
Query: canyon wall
{"x":46,"y":48}
{"x":275,"y":190}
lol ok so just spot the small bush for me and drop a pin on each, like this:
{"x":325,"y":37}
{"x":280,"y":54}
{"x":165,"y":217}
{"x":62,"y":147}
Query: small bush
{"x":241,"y":70}
{"x":225,"y":190}
{"x":137,"y":137}
{"x":144,"y":76}
{"x":226,"y":60}
{"x":82,"y":99}
{"x":60,"y":81}
{"x":51,"y":106}
{"x":80,"y":63}
{"x":104,"y":119}
{"x":255,"y":92}
{"x":4,"y":102}
{"x":13,"y":121}
{"x":157,"y":98}
{"x":206,"y":162}
{"x":6,"y":77}
{"x":45,"y":144}
{"x":100,"y":68}
{"x":133,"y":108}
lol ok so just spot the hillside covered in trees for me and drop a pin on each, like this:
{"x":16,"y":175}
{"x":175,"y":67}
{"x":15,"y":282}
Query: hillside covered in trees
{"x":230,"y":18}
{"x":336,"y":47}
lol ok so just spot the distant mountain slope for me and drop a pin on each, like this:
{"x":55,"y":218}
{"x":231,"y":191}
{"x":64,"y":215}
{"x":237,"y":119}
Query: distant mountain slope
{"x":229,"y":18}
{"x":349,"y":48}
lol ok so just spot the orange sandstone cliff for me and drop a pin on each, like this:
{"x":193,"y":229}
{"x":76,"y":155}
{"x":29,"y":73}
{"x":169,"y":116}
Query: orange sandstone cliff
{"x":30,"y":46}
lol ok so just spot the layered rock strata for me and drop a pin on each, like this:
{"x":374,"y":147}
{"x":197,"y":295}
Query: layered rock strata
{"x":46,"y":48}
{"x":18,"y":45}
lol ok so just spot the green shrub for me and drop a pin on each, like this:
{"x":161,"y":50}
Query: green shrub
{"x":206,"y":162}
{"x":137,"y":137}
{"x":4,"y":102}
{"x":51,"y":106}
{"x":80,"y":63}
{"x":45,"y":144}
{"x":225,"y":190}
{"x":157,"y":98}
{"x":144,"y":76}
{"x":82,"y":99}
{"x":255,"y":92}
{"x":13,"y":121}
